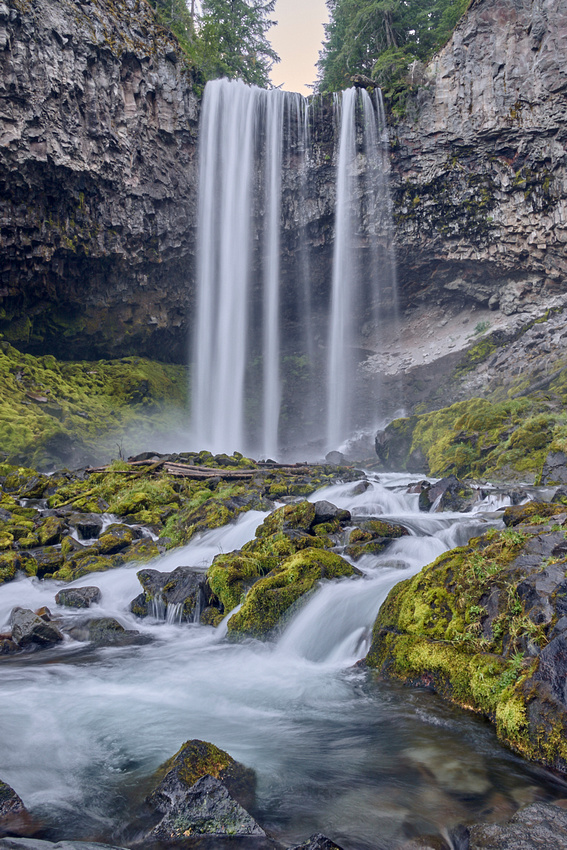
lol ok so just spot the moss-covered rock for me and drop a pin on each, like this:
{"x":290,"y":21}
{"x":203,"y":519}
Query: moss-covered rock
{"x":194,"y":760}
{"x":51,"y":530}
{"x":371,"y":536}
{"x":270,"y":599}
{"x":484,"y":625}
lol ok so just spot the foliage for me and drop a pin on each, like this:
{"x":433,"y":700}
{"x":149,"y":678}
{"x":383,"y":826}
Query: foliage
{"x":227,"y":40}
{"x":384,"y":39}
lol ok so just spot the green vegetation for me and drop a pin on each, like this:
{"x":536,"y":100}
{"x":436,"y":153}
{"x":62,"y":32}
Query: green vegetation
{"x":480,"y":438}
{"x":462,"y":626}
{"x":227,"y":40}
{"x":55,"y":412}
{"x":384,"y":40}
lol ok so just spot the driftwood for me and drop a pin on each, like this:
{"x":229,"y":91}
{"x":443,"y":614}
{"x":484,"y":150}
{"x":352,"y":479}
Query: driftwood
{"x":197,"y":473}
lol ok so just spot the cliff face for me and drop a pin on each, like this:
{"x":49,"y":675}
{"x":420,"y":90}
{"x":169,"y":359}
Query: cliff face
{"x":97,"y":179}
{"x":480,"y":164}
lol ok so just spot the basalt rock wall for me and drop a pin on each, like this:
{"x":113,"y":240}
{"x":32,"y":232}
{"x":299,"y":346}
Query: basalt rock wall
{"x":479,"y":163}
{"x":97,"y":179}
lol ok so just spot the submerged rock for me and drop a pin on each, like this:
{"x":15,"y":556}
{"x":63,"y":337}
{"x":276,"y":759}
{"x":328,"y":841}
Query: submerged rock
{"x":541,"y":825}
{"x":318,"y":841}
{"x":78,"y":597}
{"x":106,"y":631}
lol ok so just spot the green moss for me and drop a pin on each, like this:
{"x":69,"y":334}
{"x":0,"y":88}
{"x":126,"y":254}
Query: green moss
{"x":271,"y":598}
{"x":49,"y":406}
{"x":231,"y":575}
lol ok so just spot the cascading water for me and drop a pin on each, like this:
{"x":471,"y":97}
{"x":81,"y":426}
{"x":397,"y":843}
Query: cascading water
{"x":368,"y":764}
{"x":282,"y":320}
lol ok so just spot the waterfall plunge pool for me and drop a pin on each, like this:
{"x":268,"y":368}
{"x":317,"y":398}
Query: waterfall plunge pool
{"x":369,"y":763}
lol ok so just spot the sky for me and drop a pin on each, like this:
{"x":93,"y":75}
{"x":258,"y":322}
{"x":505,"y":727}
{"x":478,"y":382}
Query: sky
{"x":297,"y":39}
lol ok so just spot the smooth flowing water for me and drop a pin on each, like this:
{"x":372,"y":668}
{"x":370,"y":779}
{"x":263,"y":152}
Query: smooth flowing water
{"x":284,"y":311}
{"x":366,"y":762}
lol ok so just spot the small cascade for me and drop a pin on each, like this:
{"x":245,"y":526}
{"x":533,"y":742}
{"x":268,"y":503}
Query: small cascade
{"x":285,"y":313}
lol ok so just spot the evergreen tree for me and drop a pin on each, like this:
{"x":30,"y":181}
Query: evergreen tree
{"x":233,"y":40}
{"x":383,"y":39}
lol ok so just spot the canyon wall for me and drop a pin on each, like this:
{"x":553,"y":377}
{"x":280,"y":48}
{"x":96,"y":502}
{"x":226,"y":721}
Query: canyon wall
{"x":97,"y":179}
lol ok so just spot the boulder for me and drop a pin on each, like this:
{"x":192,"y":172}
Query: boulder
{"x":207,"y":808}
{"x":184,"y":590}
{"x":87,"y":525}
{"x":29,"y":629}
{"x":78,"y":597}
{"x":106,"y":631}
{"x":270,"y":600}
{"x":447,"y":494}
{"x":194,"y":760}
{"x":116,"y":538}
{"x":48,"y":560}
{"x":541,"y":825}
{"x":51,"y":530}
{"x":371,"y":536}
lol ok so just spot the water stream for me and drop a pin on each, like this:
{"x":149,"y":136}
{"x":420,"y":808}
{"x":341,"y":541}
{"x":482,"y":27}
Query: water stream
{"x":368,"y":763}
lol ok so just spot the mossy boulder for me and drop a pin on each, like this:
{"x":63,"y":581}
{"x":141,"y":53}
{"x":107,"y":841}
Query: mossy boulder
{"x":84,"y":563}
{"x":533,"y":511}
{"x":270,"y":599}
{"x":299,"y":516}
{"x":485,"y":625}
{"x":192,"y":761}
{"x":116,"y":537}
{"x":51,"y":530}
{"x":230,"y":576}
{"x":371,"y":536}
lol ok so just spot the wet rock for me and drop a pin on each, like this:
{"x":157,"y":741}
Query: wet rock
{"x":116,"y":538}
{"x":318,"y":841}
{"x":299,"y":516}
{"x":447,"y":494}
{"x":325,"y":512}
{"x":184,"y":587}
{"x":194,"y":760}
{"x":371,"y":536}
{"x":47,"y":559}
{"x":51,"y":531}
{"x":541,"y":826}
{"x":517,"y":514}
{"x":8,"y":647}
{"x":78,"y":597}
{"x":272,"y":598}
{"x":29,"y":629}
{"x":451,"y":773}
{"x":554,"y":468}
{"x":206,"y":809}
{"x":336,"y":458}
{"x":106,"y":631}
{"x":14,"y":816}
{"x":87,"y":525}
{"x":560,"y":496}
{"x":393,"y":447}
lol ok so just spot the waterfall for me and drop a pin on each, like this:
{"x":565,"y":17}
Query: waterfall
{"x":281,"y":307}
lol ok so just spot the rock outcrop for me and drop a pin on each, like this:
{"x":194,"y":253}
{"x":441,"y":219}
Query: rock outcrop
{"x":97,"y":179}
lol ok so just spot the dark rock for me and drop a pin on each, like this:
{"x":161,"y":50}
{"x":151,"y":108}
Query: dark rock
{"x":185,"y":587}
{"x":78,"y":597}
{"x":371,"y":536}
{"x":51,"y":531}
{"x":87,"y":525}
{"x":8,"y":647}
{"x":517,"y":514}
{"x":48,"y":560}
{"x":325,"y":512}
{"x":318,"y":841}
{"x":560,"y":496}
{"x":207,"y":808}
{"x":541,"y":826}
{"x":116,"y":538}
{"x":106,"y":631}
{"x":29,"y":629}
{"x":194,"y":760}
{"x":552,"y":669}
{"x":554,"y":469}
{"x":447,"y":494}
{"x":335,"y":458}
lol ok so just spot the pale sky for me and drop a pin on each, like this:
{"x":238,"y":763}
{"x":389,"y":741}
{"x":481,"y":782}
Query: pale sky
{"x":297,"y":39}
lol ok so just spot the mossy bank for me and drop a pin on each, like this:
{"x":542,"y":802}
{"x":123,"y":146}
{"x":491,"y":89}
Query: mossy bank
{"x":484,"y":625}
